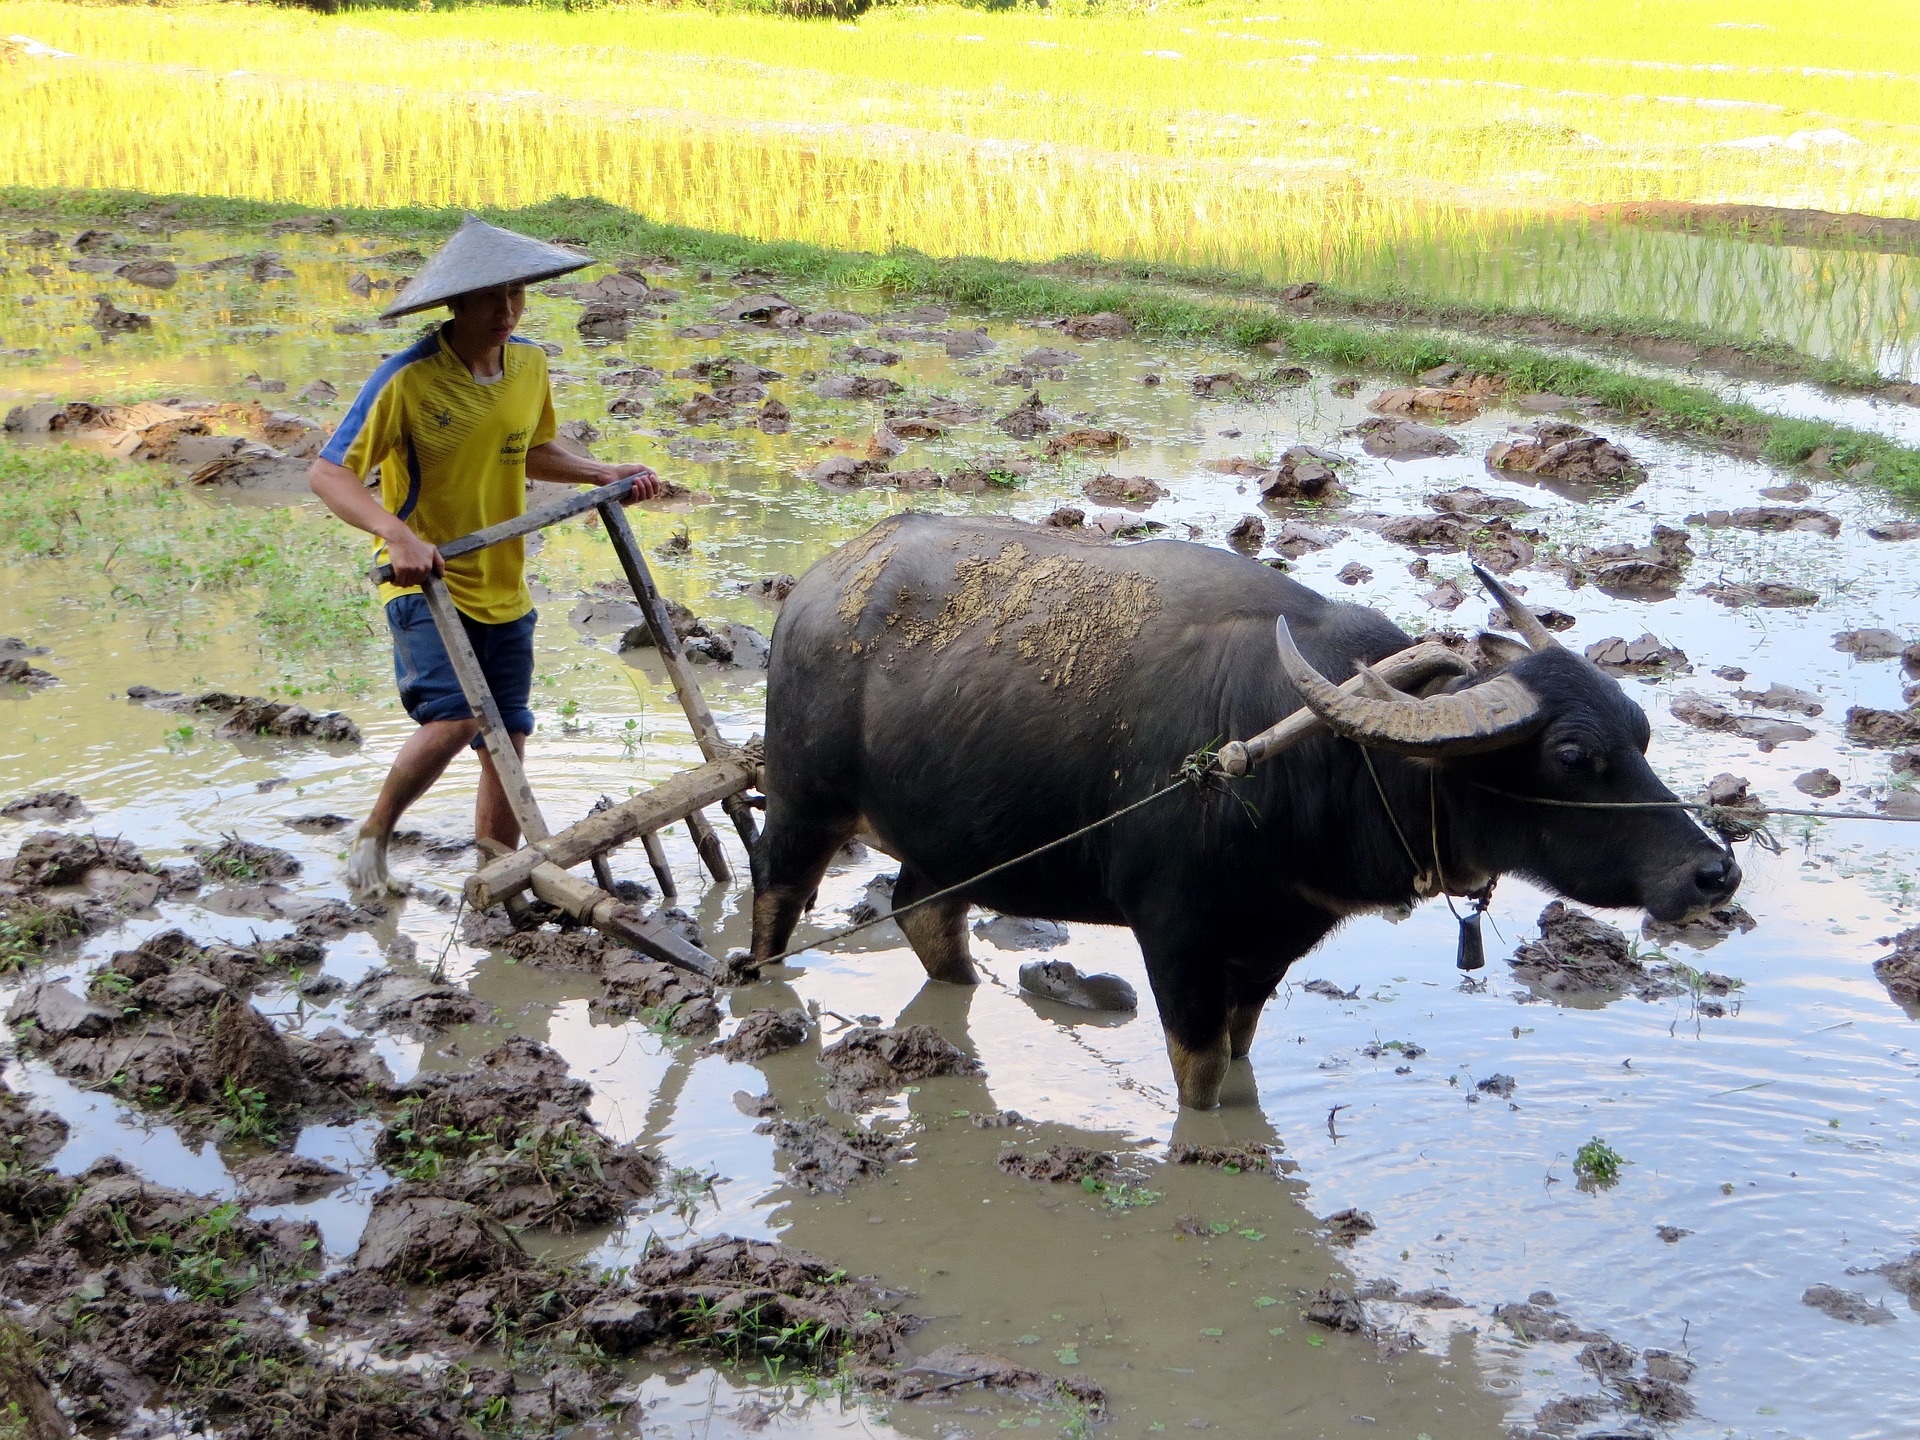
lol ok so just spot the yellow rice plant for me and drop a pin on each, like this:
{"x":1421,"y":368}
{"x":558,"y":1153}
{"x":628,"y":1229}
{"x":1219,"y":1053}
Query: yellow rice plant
{"x":1400,"y":143}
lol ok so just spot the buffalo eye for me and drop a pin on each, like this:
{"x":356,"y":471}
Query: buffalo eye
{"x":1576,"y":759}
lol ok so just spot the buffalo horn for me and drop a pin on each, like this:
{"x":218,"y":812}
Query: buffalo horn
{"x":1518,"y":615}
{"x":1481,"y":717}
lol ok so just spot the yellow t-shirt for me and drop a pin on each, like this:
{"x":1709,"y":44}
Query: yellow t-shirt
{"x":452,"y":453}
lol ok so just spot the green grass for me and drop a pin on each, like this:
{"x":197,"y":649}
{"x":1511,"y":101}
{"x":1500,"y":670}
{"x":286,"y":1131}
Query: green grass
{"x":297,"y":579}
{"x":1013,"y":289}
{"x":1598,"y":1162}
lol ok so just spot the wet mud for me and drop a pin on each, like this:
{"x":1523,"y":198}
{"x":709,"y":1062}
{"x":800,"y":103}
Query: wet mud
{"x":534,"y":1109}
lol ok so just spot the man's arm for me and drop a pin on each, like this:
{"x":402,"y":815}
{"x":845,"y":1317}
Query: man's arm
{"x":562,"y":467}
{"x":340,"y":490}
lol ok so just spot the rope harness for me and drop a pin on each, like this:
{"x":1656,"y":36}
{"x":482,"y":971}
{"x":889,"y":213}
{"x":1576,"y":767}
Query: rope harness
{"x":1201,"y":771}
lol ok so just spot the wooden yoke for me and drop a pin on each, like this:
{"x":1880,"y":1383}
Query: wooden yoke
{"x":1404,"y":669}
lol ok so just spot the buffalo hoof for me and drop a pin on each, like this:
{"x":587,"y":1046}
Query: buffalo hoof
{"x":1199,"y":1073}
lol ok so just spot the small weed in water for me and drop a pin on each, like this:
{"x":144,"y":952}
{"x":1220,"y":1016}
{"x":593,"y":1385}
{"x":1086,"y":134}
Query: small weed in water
{"x":688,"y":1187}
{"x":249,"y":1114}
{"x":1598,"y":1162}
{"x":1119,"y":1196}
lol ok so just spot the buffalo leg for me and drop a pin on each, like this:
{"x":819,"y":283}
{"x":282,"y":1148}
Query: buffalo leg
{"x":937,"y":932}
{"x":788,"y":862}
{"x":1191,"y":995}
{"x":1250,"y":985}
{"x":1243,"y":1020}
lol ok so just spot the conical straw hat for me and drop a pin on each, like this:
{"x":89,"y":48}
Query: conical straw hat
{"x":479,"y":256}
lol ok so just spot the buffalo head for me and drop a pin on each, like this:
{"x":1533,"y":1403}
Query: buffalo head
{"x":1546,"y":726}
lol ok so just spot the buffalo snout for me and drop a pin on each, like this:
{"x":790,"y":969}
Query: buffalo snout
{"x":1705,"y":880}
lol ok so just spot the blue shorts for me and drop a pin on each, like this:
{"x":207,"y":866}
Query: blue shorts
{"x":424,"y":672}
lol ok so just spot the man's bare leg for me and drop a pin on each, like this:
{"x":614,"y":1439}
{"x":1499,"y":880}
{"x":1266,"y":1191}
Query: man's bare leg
{"x":421,"y":761}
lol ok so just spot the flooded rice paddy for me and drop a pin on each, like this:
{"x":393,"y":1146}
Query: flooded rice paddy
{"x":1769,"y":1119}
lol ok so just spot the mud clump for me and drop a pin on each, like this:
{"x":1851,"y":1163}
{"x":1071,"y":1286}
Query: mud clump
{"x":412,"y":1238}
{"x":27,"y":1136}
{"x":1395,"y":439}
{"x":1062,"y":983}
{"x":1661,"y":1401}
{"x":45,"y":805}
{"x":1577,"y":954}
{"x":280,"y":1179}
{"x":40,"y":907}
{"x":1058,"y":1164}
{"x":1766,"y":733}
{"x":237,"y":859}
{"x":825,"y":1156}
{"x":1346,"y":1226}
{"x":1564,"y":1412}
{"x":1494,"y":543}
{"x":1132,"y":491}
{"x":1231,"y":1158}
{"x":1774,"y":519}
{"x":1027,"y":420}
{"x":1848,"y":1305}
{"x":867,"y":1063}
{"x":16,"y":671}
{"x":651,"y":989}
{"x":1426,"y":1298}
{"x":1871,"y":644}
{"x":1786,"y":698}
{"x":1645,"y":656}
{"x":954,"y":1367}
{"x":513,"y":1139}
{"x":1900,"y":971}
{"x":765,"y":1032}
{"x":414,"y":1004}
{"x":1656,"y":568}
{"x":157,"y":1301}
{"x":1557,"y":451}
{"x":1536,"y":1319}
{"x":170,"y":1025}
{"x":1336,"y":1310}
{"x":1767,"y":594}
{"x":1867,"y":726}
{"x":252,"y":715}
{"x":1304,"y":473}
{"x":1904,"y":1275}
{"x":1703,"y":932}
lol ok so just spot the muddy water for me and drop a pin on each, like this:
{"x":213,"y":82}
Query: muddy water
{"x":1785,"y":1134}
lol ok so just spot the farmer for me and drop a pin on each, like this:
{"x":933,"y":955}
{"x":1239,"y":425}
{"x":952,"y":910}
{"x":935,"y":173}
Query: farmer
{"x":456,"y":424}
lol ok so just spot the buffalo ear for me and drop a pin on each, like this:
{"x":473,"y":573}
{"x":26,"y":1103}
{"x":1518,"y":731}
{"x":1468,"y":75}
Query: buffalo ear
{"x":1499,"y":650}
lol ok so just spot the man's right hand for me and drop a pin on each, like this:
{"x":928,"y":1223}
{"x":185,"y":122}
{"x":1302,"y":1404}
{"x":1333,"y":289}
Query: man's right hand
{"x":413,"y":560}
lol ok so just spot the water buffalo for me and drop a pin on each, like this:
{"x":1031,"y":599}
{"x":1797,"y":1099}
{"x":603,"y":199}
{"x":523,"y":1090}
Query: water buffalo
{"x":962,"y":691}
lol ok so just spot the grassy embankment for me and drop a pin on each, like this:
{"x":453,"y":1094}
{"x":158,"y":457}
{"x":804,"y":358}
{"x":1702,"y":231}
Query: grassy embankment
{"x":1014,"y":290}
{"x":1407,"y":148}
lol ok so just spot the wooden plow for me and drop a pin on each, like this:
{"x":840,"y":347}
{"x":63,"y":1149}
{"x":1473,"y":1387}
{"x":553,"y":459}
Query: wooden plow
{"x":545,"y":857}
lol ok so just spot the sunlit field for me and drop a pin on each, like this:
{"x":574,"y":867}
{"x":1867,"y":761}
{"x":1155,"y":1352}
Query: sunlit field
{"x":1375,"y":146}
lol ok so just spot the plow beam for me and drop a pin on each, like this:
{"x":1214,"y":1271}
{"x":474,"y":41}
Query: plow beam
{"x":731,"y":772}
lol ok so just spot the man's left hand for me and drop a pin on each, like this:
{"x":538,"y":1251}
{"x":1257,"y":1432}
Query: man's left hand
{"x":646,"y":484}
